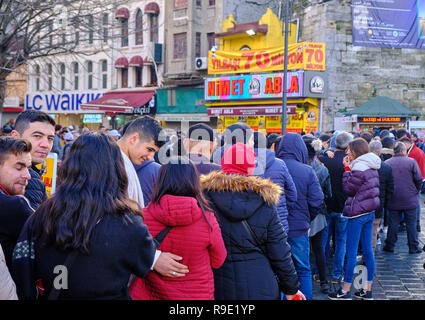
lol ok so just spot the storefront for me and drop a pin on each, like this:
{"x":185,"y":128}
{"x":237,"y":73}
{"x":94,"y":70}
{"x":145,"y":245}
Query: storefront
{"x":381,"y":113}
{"x":256,"y":100}
{"x":120,"y":107}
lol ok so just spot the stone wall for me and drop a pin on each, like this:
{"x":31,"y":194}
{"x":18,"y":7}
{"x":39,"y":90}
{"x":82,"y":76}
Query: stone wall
{"x":357,"y":74}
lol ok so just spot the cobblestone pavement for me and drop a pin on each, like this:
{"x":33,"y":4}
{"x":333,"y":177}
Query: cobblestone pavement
{"x":398,"y":275}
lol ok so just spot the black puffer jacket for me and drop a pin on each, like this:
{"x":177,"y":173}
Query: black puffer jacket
{"x":35,"y":191}
{"x":386,"y":187}
{"x":247,"y":274}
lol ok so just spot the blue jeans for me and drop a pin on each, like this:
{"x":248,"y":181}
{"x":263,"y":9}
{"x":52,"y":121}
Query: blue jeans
{"x":300,"y":249}
{"x":360,"y":228}
{"x":340,"y":224}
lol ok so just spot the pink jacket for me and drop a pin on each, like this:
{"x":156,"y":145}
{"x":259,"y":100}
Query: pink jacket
{"x":191,"y":237}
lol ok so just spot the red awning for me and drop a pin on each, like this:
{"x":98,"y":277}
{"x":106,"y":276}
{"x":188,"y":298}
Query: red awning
{"x":121,"y":63}
{"x":122,"y":102}
{"x":152,"y":8}
{"x":273,"y":110}
{"x":13,"y":109}
{"x":122,"y":13}
{"x":136,"y":61}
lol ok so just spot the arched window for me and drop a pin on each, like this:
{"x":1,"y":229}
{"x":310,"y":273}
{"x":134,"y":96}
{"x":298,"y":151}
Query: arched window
{"x":139,"y":27}
{"x":37,"y":77}
{"x":50,"y":76}
{"x":62,"y":75}
{"x":124,"y":32}
{"x":76,"y":75}
{"x":105,"y":22}
{"x":90,"y":22}
{"x":104,"y":74}
{"x":89,"y":75}
{"x":153,"y":19}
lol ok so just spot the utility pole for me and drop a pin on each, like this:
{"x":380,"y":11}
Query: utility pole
{"x":286,"y":19}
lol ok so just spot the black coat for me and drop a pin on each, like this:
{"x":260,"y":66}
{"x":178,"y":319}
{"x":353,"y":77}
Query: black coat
{"x":248,"y":274}
{"x":386,"y":187}
{"x":35,"y":191}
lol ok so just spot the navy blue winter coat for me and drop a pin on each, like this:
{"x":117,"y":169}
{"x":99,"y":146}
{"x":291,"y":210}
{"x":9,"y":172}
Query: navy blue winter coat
{"x":268,"y":166}
{"x":293,"y":151}
{"x":247,"y":274}
{"x":35,"y":191}
{"x":147,"y":173}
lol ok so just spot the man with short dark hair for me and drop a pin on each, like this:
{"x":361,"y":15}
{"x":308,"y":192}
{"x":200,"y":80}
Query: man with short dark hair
{"x":199,"y":145}
{"x":38,"y":128}
{"x":15,"y":161}
{"x":407,"y":184}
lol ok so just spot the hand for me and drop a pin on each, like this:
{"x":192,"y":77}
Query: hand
{"x":167,"y":266}
{"x":330,"y":154}
{"x":346,"y":161}
{"x":299,"y":294}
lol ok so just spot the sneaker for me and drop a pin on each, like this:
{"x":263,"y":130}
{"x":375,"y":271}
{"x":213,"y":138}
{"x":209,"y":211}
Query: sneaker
{"x":339,"y":295}
{"x":363,"y":294}
{"x":324,"y":287}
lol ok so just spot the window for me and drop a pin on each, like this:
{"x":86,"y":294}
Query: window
{"x":50,"y":33}
{"x":124,"y":77}
{"x":37,"y":77}
{"x":89,"y":75}
{"x":211,"y":40}
{"x":211,"y":2}
{"x":198,"y":45}
{"x":139,"y":27}
{"x":171,"y":98}
{"x":199,"y":3}
{"x":105,"y":27}
{"x":153,"y":28}
{"x":76,"y":77}
{"x":76,"y":23}
{"x":62,"y":76}
{"x":104,"y":74}
{"x":139,"y":76}
{"x":124,"y":32}
{"x":90,"y":23}
{"x":50,"y":76}
{"x":179,"y":46}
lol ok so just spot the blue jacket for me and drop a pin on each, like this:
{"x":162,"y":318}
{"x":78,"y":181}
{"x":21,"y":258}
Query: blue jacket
{"x":293,"y":151}
{"x":35,"y":191}
{"x":147,"y":173}
{"x":268,"y":166}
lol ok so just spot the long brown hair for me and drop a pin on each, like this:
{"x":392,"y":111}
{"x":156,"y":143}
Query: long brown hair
{"x":179,"y":177}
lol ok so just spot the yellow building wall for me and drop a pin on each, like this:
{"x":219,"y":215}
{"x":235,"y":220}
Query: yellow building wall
{"x":273,"y":38}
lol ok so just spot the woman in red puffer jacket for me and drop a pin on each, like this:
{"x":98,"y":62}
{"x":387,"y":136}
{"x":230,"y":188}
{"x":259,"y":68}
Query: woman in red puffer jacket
{"x":195,"y":235}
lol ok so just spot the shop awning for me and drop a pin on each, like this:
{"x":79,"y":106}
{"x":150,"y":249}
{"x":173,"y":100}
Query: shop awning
{"x":311,"y":101}
{"x":272,"y":110}
{"x":383,"y":107}
{"x":136,"y":61}
{"x":152,"y":8}
{"x":122,"y":13}
{"x":121,"y":63}
{"x":122,"y":102}
{"x":13,"y":109}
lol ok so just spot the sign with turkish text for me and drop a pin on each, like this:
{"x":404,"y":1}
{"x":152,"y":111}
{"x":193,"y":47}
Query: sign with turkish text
{"x":254,"y":86}
{"x":380,"y":119}
{"x":303,"y":55}
{"x":249,"y":111}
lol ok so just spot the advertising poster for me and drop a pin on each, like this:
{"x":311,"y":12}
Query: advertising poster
{"x":296,"y":121}
{"x":389,"y":23}
{"x":311,"y":121}
{"x":274,"y":124}
{"x":50,"y":168}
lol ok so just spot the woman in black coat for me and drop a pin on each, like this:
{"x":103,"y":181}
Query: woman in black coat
{"x":258,"y":265}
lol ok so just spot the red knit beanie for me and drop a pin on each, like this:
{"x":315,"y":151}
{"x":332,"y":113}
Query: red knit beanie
{"x":239,"y":159}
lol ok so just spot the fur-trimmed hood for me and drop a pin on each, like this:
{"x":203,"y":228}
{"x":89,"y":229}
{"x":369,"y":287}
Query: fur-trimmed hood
{"x":239,"y":197}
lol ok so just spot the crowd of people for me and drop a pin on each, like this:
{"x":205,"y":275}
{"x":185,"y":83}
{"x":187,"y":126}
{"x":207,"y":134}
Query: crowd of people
{"x":139,"y":214}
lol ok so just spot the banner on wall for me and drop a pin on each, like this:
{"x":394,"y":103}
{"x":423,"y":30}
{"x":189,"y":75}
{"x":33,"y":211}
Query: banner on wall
{"x":303,"y":55}
{"x":389,"y":23}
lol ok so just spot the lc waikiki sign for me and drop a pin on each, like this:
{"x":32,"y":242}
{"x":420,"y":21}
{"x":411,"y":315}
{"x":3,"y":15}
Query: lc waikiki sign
{"x":258,"y":86}
{"x":303,"y":55}
{"x":60,"y":102}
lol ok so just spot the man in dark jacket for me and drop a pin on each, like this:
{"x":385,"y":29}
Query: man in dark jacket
{"x":407,"y":184}
{"x":386,"y":189}
{"x":199,"y":146}
{"x":38,"y":128}
{"x":147,"y":172}
{"x":293,"y":152}
{"x":268,"y":166}
{"x":335,"y":205}
{"x":15,"y":161}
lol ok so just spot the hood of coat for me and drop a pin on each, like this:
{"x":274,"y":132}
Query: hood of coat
{"x":292,"y":146}
{"x":175,"y":210}
{"x":238,"y":195}
{"x":387,"y":151}
{"x":263,"y":160}
{"x":366,"y":162}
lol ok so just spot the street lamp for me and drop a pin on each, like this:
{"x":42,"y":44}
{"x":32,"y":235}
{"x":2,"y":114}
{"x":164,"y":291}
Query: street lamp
{"x":285,"y":64}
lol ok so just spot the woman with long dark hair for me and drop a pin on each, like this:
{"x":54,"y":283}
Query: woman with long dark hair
{"x":89,"y":227}
{"x":178,"y":202}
